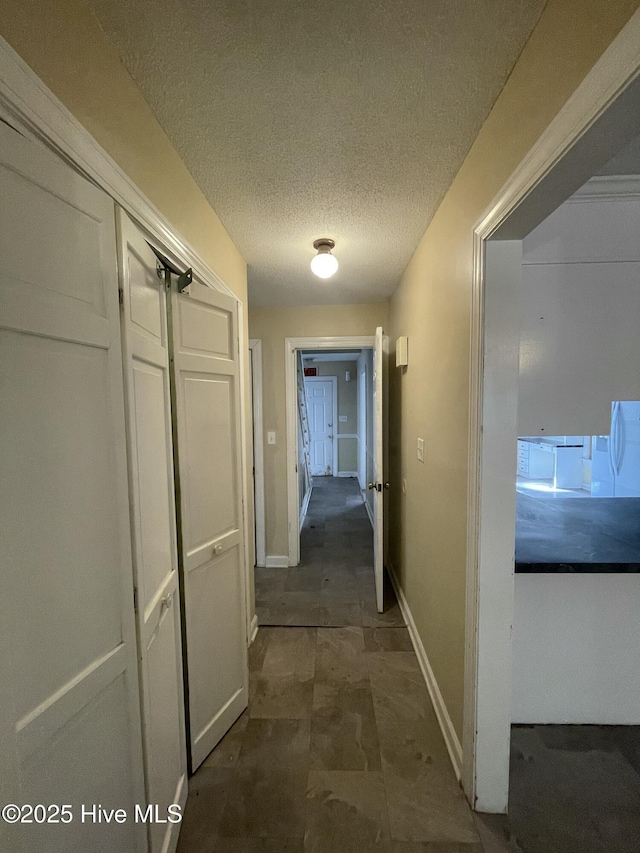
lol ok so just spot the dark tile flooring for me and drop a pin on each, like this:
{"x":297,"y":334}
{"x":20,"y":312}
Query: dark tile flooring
{"x":575,"y":789}
{"x":340,"y":750}
{"x":333,"y":585}
{"x":577,"y":534}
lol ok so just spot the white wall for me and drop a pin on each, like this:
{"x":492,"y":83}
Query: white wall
{"x":576,"y":649}
{"x":579,"y":345}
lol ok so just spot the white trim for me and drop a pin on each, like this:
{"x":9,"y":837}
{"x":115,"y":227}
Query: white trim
{"x":452,"y":742}
{"x":254,"y":629}
{"x":353,"y":474}
{"x":345,"y":434}
{"x":305,"y":506}
{"x":243,"y":355}
{"x":362,"y":419}
{"x":291,"y":346}
{"x":334,"y":409}
{"x":277,"y":562}
{"x":608,"y":188}
{"x":258,"y":450}
{"x":369,"y":510}
{"x":616,"y":69}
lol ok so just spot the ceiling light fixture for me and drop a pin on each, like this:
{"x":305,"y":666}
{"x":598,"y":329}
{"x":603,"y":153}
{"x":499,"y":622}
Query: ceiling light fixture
{"x":324,"y":265}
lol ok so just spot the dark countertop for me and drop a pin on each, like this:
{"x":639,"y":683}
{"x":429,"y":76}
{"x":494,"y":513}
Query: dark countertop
{"x":582,"y":535}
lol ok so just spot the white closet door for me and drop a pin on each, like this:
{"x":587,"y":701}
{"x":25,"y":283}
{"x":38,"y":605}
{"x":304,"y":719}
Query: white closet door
{"x":155,"y":556}
{"x":68,"y":631}
{"x":205,"y":338}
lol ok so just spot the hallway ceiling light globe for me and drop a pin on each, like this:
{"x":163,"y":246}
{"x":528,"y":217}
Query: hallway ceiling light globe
{"x":324,"y":265}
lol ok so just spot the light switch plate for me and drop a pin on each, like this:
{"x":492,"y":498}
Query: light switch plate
{"x":421,"y":450}
{"x":343,"y":419}
{"x":271,"y":437}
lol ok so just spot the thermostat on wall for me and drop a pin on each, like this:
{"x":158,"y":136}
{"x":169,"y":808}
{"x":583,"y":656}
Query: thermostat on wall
{"x":402,"y":351}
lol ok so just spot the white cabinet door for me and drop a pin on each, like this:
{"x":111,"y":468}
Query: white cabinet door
{"x":155,"y":556}
{"x":205,"y":351}
{"x":71,"y":705}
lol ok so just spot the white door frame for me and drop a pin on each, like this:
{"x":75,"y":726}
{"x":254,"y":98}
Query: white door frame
{"x":255,"y":346}
{"x":291,"y":347}
{"x":42,"y":116}
{"x":363,"y":378}
{"x":531,"y":194}
{"x":334,"y":413}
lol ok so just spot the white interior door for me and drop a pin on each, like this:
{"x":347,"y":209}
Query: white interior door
{"x":379,"y":484}
{"x":320,"y":395}
{"x":71,"y":716}
{"x":205,"y":345}
{"x":153,"y":519}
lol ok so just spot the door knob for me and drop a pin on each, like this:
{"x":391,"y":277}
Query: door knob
{"x":330,"y":436}
{"x":370,"y":485}
{"x":217,"y":549}
{"x":387,"y":485}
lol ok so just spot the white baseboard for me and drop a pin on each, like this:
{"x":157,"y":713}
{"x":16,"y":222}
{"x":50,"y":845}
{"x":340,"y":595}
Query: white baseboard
{"x":305,"y":506}
{"x":253,"y":628}
{"x":277,"y":562}
{"x":369,"y":511}
{"x":451,"y":739}
{"x":347,"y":474}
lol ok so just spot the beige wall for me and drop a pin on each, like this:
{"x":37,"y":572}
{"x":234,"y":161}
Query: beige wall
{"x":432,"y":306}
{"x":63,"y":43}
{"x":272,"y":326}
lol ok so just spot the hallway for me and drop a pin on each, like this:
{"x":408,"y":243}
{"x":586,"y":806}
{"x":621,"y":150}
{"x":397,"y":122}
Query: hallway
{"x":340,"y":748}
{"x":333,"y":586}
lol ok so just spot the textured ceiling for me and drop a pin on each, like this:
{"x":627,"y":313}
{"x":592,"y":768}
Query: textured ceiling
{"x":346,"y":119}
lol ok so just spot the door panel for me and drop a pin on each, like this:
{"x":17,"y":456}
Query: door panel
{"x":151,"y":483}
{"x":208,"y":403}
{"x":379,"y":462}
{"x":205,"y":348}
{"x":69,"y":634}
{"x":320,"y":409}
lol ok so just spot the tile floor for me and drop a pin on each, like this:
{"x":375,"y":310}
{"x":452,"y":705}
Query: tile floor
{"x":575,"y":789}
{"x":333,"y":585}
{"x":340,"y":750}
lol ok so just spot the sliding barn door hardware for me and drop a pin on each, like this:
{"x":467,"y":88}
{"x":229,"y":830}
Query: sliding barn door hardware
{"x":164,"y":265}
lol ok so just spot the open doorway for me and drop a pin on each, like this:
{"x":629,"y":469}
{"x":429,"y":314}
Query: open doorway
{"x":556,"y":648}
{"x":336,"y":520}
